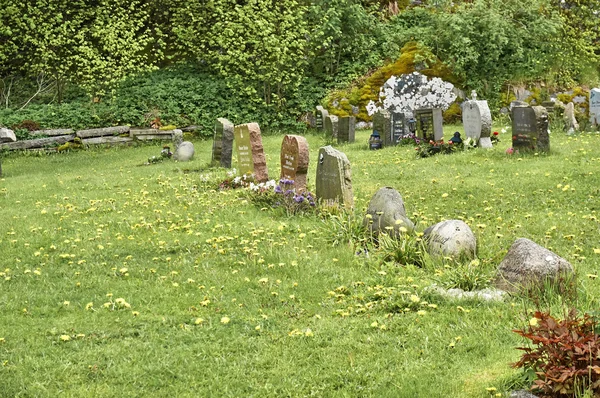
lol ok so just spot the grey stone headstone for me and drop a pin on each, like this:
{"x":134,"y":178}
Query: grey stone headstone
{"x":569,"y":118}
{"x":451,"y":238}
{"x":331,"y":126}
{"x":334,"y":177}
{"x":382,"y":123}
{"x":386,"y":213}
{"x":7,"y":135}
{"x":477,"y":121}
{"x":346,"y":129}
{"x":528,"y":263}
{"x":595,"y":106}
{"x":222,"y":143}
{"x":430,"y":124}
{"x":184,"y":150}
{"x":320,"y":116}
{"x":530,"y":128}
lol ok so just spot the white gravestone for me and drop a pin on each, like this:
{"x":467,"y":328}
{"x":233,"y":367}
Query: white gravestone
{"x":477,"y":121}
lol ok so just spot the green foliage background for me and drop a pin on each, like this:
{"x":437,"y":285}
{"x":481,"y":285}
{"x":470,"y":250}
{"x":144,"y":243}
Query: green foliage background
{"x":99,"y":62}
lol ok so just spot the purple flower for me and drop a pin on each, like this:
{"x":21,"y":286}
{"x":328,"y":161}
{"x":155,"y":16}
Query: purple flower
{"x":299,"y":198}
{"x":278,"y":189}
{"x":285,"y":181}
{"x":289,"y":192}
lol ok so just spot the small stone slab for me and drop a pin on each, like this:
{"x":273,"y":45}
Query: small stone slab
{"x":7,"y":135}
{"x":529,"y":264}
{"x":251,"y":155}
{"x":386,"y":214}
{"x":382,"y":123}
{"x":334,"y":177}
{"x":477,"y":121}
{"x":452,"y":238}
{"x":151,"y":134}
{"x":595,"y":106}
{"x":530,"y":128}
{"x":38,"y":142}
{"x":346,"y":129}
{"x":106,"y":140}
{"x":222,"y":143}
{"x":116,"y":130}
{"x":294,"y":160}
{"x":151,"y":137}
{"x":52,"y":133}
{"x":320,"y":116}
{"x":190,"y":129}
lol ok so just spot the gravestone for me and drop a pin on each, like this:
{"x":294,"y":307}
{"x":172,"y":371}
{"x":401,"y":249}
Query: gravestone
{"x":250,"y":152}
{"x":320,"y":117}
{"x":334,"y":178}
{"x":222,"y":143}
{"x":382,"y":124}
{"x":477,"y":121}
{"x":595,"y":106}
{"x":530,"y":128}
{"x":386,"y":214}
{"x":294,"y":160}
{"x":399,"y":127}
{"x":452,"y":238}
{"x":527,"y":264}
{"x":569,"y":118}
{"x":346,"y":129}
{"x":184,"y":150}
{"x":430,"y":124}
{"x":331,"y":126}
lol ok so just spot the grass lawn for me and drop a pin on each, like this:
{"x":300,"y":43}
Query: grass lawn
{"x":118,"y":279}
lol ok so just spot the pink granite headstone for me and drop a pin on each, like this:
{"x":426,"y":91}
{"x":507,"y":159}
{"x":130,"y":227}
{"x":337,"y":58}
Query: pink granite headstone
{"x":294,"y":160}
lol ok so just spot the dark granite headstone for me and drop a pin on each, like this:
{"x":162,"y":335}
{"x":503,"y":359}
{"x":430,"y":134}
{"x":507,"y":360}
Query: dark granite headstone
{"x":382,"y":123}
{"x":346,"y":129}
{"x":429,"y":124}
{"x":530,"y":128}
{"x":399,"y":127}
{"x":251,"y":156}
{"x":294,"y":160}
{"x":334,"y":178}
{"x":222,"y":143}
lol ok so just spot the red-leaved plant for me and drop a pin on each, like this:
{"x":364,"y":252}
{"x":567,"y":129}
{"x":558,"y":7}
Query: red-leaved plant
{"x":565,"y":354}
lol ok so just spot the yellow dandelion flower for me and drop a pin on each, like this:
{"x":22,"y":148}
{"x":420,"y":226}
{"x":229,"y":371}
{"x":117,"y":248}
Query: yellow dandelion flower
{"x":64,"y":337}
{"x":225,"y":320}
{"x":533,"y":322}
{"x":199,"y":321}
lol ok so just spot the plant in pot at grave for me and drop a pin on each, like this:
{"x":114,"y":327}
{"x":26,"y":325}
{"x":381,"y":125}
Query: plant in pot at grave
{"x":427,"y":149}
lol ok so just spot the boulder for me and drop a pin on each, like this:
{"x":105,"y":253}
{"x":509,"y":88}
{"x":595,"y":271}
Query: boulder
{"x":386,"y":213}
{"x":451,"y":238}
{"x":529,"y":264}
{"x":184,"y":150}
{"x":7,"y":135}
